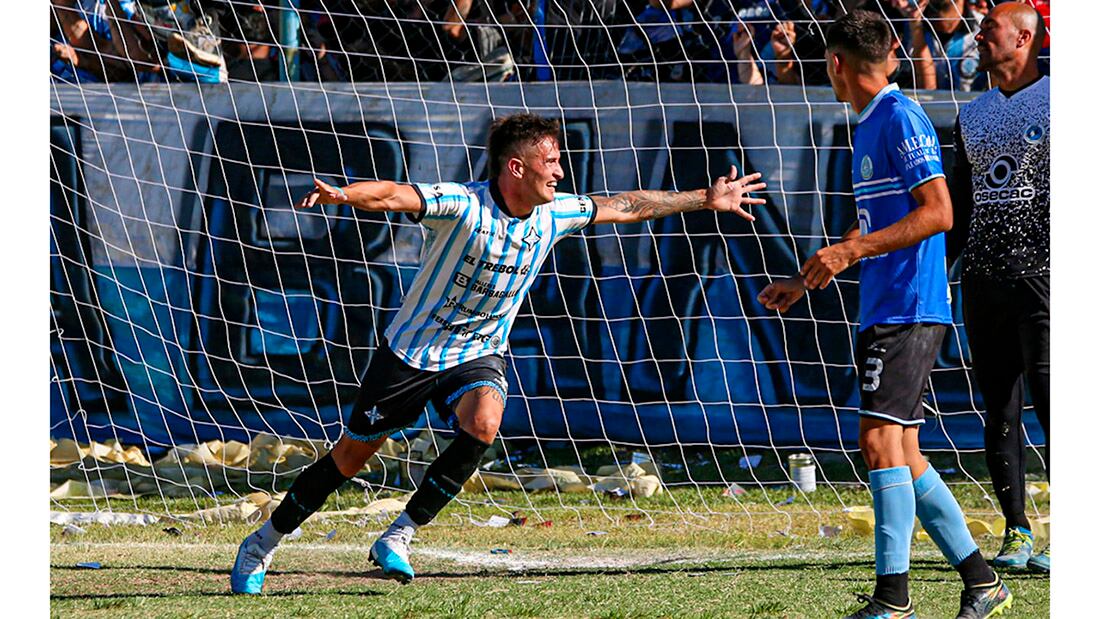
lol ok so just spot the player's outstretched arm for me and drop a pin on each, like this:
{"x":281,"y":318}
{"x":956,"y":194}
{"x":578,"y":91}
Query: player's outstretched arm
{"x":782,"y":294}
{"x":368,"y":196}
{"x":727,"y":194}
{"x":931,"y":216}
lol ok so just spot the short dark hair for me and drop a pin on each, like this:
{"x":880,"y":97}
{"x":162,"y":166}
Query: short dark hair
{"x":510,"y":133}
{"x":863,"y":33}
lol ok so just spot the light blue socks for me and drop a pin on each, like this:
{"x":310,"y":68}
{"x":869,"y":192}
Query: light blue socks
{"x":942,"y":517}
{"x":894,"y":503}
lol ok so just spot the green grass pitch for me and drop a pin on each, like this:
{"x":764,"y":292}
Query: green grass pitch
{"x":727,"y":558}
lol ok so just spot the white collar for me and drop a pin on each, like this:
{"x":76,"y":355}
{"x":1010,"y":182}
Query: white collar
{"x":887,"y":89}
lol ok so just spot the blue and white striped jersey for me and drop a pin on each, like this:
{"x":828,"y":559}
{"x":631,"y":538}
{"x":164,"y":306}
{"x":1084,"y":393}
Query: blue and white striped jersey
{"x":477,"y":265}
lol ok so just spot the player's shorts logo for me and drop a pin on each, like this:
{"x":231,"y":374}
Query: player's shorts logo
{"x":1033,"y":134}
{"x":1001,"y":171}
{"x":866,"y":168}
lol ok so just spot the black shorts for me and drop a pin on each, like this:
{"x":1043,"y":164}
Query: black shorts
{"x":894,"y":363}
{"x":393,"y":394}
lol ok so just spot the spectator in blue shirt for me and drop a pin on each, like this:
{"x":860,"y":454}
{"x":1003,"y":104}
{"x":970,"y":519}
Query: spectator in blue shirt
{"x":96,"y":40}
{"x":127,"y":41}
{"x":666,"y":44}
{"x":942,"y":45}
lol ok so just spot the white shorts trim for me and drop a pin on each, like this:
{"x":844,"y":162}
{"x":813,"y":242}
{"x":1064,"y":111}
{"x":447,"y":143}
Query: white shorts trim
{"x":887,"y":417}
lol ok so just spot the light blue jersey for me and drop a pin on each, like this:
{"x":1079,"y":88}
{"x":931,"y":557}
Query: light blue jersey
{"x":956,"y":58}
{"x":895,"y":150}
{"x":477,"y":265}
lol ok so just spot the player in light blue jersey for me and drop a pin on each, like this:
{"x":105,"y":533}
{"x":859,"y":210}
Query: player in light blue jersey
{"x":485,"y":244}
{"x":903,"y":208}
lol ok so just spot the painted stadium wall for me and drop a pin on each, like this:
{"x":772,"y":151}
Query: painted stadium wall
{"x":183,"y":312}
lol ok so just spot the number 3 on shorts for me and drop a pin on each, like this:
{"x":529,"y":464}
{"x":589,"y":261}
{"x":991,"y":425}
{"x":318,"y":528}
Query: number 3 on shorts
{"x":871,"y":375}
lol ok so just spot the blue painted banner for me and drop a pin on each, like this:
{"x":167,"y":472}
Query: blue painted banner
{"x":189,"y":302}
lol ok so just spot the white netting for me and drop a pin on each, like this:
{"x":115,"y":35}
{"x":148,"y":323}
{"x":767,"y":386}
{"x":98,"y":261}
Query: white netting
{"x":206,"y":339}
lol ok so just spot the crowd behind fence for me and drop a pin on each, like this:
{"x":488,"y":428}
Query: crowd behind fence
{"x":720,"y":41}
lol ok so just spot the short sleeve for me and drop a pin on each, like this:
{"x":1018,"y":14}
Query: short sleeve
{"x":572,"y":213}
{"x":913,"y":147}
{"x":442,"y":201}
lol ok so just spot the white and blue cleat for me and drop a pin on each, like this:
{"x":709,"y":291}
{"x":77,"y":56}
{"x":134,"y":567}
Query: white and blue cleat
{"x":250,"y":568}
{"x":391,"y":553}
{"x":1016,"y":550}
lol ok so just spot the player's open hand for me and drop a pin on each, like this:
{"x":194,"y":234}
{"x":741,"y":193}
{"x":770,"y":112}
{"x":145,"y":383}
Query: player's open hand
{"x":824,"y":265}
{"x":781,"y":295}
{"x":322,"y":193}
{"x":730,"y":194}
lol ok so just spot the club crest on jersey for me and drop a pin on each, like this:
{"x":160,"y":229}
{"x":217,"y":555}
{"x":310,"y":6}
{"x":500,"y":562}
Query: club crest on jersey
{"x":1033,"y":134}
{"x":866,"y":168}
{"x":1000,"y":171}
{"x":532,"y":237}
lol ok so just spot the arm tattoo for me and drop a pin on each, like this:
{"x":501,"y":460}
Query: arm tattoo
{"x":645,"y":205}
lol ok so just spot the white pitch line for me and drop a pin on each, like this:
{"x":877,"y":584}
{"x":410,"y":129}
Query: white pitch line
{"x":521,"y":560}
{"x":208,"y":546}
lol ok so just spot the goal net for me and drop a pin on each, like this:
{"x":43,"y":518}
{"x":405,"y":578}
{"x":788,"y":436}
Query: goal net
{"x":207,"y":340}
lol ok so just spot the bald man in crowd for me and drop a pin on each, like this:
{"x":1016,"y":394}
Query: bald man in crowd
{"x":1001,"y":194}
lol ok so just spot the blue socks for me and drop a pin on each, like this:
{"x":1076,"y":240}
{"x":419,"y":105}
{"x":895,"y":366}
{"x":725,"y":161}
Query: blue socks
{"x":897,"y":497}
{"x":942,"y":517}
{"x":892,"y":492}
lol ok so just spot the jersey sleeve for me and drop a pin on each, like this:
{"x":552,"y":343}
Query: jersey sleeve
{"x":441,"y":202}
{"x":572,"y":213}
{"x":913,"y":147}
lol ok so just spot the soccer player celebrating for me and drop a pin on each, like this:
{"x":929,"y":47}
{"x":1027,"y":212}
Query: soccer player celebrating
{"x":903,"y":208}
{"x":486,"y":242}
{"x":1001,"y":192}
